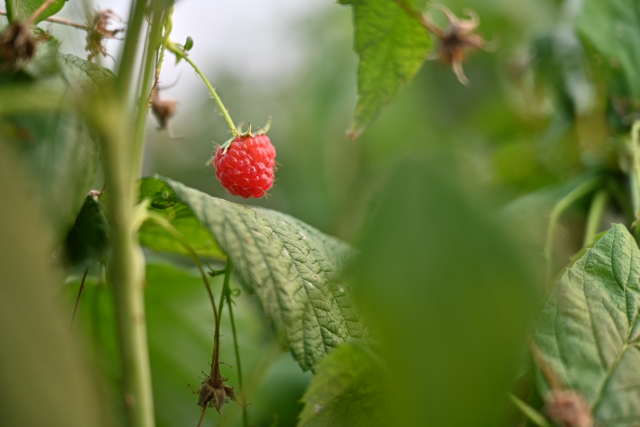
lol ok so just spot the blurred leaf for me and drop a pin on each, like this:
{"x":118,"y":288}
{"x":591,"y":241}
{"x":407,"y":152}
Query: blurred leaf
{"x":613,"y":27}
{"x":44,"y":377}
{"x":450,"y":295}
{"x":294,"y":269}
{"x":346,"y":390}
{"x":588,"y":332}
{"x":61,"y":152}
{"x":88,"y":240}
{"x":164,"y":202}
{"x":180,"y":334}
{"x":20,"y":10}
{"x":392,"y":46}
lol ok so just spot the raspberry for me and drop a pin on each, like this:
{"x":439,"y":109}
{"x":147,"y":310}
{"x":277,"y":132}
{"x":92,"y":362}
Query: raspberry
{"x":245,"y":167}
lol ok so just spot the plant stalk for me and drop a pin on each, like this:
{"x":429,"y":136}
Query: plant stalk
{"x":173,"y":48}
{"x":148,"y":79}
{"x":596,"y":211}
{"x":559,"y":209}
{"x":110,"y":116}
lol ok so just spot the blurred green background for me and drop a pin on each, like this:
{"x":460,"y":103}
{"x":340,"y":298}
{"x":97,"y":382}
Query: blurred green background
{"x":505,"y":136}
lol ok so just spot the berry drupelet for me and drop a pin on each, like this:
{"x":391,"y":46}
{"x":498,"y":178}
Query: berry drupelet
{"x":246,"y":166}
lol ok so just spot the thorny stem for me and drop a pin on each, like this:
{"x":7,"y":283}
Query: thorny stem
{"x":557,"y":212}
{"x":125,"y":69}
{"x":75,"y":308}
{"x":146,"y":92}
{"x":173,"y":48}
{"x":111,"y":119}
{"x":57,"y":20}
{"x":38,"y":11}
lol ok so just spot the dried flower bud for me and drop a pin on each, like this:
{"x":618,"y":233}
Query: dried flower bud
{"x":17,"y":45}
{"x":457,"y":40}
{"x":568,"y":409}
{"x":99,"y":30}
{"x":163,"y":109}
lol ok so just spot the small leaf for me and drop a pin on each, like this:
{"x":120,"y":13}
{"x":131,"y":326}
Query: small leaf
{"x":613,"y":27}
{"x":588,"y":333}
{"x":346,"y":390}
{"x":392,"y":47}
{"x":88,"y":240}
{"x":188,"y":44}
{"x":294,"y":269}
{"x":20,"y":10}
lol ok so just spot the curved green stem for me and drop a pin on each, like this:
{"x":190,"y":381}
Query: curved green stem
{"x":559,"y":209}
{"x":179,"y":53}
{"x":596,"y":211}
{"x":162,"y":222}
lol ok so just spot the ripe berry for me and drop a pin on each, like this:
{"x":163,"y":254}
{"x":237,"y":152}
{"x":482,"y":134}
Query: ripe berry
{"x":245,"y":167}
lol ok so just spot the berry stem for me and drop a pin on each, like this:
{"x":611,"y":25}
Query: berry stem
{"x":181,"y":54}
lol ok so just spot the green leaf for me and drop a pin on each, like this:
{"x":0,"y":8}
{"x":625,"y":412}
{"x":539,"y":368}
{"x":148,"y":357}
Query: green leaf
{"x":60,"y":152}
{"x":392,"y":47}
{"x":613,"y":27}
{"x":346,"y":391}
{"x":20,"y":10}
{"x":88,"y":240}
{"x":293,"y":268}
{"x":588,"y":333}
{"x":449,"y":296}
{"x":164,"y":203}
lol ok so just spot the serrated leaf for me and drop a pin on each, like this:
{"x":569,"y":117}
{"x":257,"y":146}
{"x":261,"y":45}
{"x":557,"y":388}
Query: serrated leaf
{"x":84,"y":75}
{"x":20,"y":10}
{"x":345,"y":391}
{"x":613,"y":27}
{"x":88,"y":240}
{"x":294,"y":269}
{"x":588,"y":333}
{"x":392,"y":47}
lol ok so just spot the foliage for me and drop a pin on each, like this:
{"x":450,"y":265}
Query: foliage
{"x":293,"y":268}
{"x":391,"y":46}
{"x":462,"y":216}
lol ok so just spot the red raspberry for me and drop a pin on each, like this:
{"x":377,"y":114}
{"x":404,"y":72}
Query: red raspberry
{"x":245,"y":167}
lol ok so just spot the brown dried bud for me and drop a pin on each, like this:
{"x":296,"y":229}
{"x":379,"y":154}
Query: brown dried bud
{"x":568,"y":409}
{"x":98,"y":29}
{"x":163,"y":109}
{"x":17,"y":45}
{"x":457,"y":40}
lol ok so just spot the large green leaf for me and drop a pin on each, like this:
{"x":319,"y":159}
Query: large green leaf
{"x":392,"y":47}
{"x":19,"y":10}
{"x":613,"y":27}
{"x":293,"y":268}
{"x":60,"y":151}
{"x":345,"y":391}
{"x":448,"y":293}
{"x":588,"y":333}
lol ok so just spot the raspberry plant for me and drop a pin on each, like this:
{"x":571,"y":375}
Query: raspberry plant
{"x":438,"y":314}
